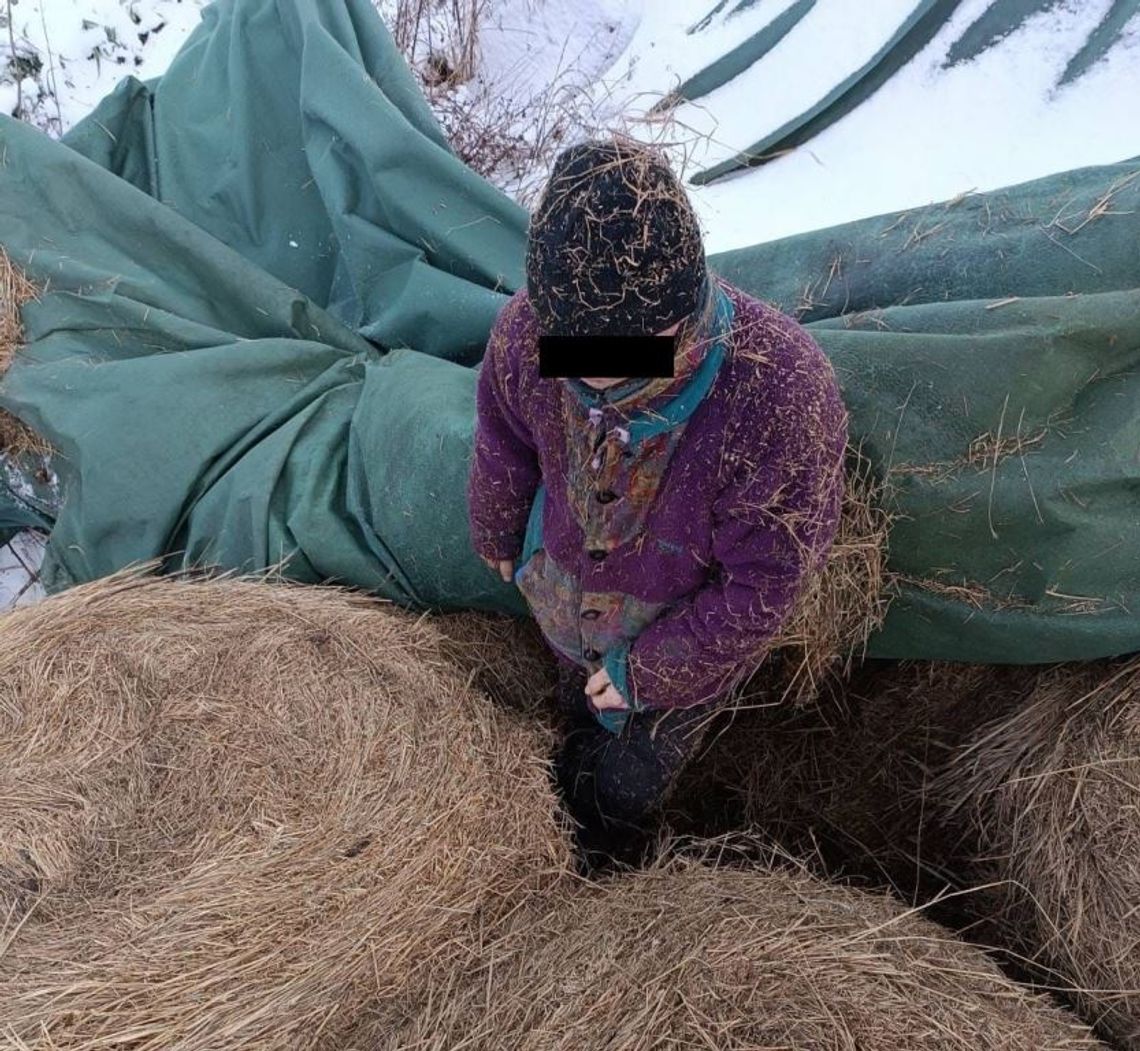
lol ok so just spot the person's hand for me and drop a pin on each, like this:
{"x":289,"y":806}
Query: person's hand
{"x":504,"y":566}
{"x":602,"y":693}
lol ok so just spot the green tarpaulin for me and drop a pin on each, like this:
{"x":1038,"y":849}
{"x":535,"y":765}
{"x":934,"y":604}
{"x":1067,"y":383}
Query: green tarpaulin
{"x":268,"y":277}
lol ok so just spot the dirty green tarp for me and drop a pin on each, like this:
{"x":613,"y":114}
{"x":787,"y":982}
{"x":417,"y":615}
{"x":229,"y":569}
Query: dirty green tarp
{"x":268,"y":277}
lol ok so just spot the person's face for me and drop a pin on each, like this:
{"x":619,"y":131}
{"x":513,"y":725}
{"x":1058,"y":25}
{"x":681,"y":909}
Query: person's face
{"x":605,"y":383}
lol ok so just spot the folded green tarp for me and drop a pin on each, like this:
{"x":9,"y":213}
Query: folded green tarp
{"x":206,"y":412}
{"x":1073,"y":232}
{"x":29,"y":496}
{"x":296,"y":134}
{"x":203,"y":411}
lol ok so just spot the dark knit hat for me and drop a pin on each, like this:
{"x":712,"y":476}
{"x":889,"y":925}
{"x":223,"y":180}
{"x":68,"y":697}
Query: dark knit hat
{"x":614,"y":246}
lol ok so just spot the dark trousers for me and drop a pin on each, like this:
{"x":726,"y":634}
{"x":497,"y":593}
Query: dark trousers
{"x":615,"y":785}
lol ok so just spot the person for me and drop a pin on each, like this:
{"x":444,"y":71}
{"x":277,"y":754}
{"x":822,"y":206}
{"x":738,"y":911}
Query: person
{"x":660,"y":528}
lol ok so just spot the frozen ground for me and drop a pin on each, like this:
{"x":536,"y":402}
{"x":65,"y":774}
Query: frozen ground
{"x":546,"y":72}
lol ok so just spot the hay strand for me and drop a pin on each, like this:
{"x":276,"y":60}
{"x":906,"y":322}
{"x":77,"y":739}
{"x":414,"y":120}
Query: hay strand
{"x":16,"y":438}
{"x":845,"y":602}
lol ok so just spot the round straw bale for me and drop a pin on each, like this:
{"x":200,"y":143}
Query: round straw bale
{"x":1053,"y":795}
{"x":15,"y":290}
{"x":505,"y":657}
{"x":847,"y":782}
{"x":691,"y":956}
{"x":233,"y":814}
{"x":1017,"y":788}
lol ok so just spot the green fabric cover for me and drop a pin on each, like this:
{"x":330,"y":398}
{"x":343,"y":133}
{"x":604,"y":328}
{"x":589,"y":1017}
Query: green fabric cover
{"x":1073,"y":232}
{"x":28,"y":499}
{"x":998,"y":20}
{"x":254,"y":349}
{"x":272,"y":130}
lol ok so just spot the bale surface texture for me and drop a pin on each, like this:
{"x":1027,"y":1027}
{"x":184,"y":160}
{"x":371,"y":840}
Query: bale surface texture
{"x":689,"y":956}
{"x":1052,"y":796}
{"x":1015,"y":788}
{"x":233,"y":814}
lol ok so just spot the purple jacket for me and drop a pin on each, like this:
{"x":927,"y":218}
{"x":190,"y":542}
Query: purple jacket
{"x":669,"y":543}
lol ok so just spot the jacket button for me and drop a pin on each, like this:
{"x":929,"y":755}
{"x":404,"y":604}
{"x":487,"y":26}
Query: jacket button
{"x":606,"y":496}
{"x":591,"y":614}
{"x":598,"y":553}
{"x":591,"y":655}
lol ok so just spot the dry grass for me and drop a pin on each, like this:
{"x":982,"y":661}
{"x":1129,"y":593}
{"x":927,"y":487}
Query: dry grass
{"x":506,"y":139}
{"x":845,"y":780}
{"x":842,"y":605}
{"x":237,"y":815}
{"x":448,"y":56}
{"x":1017,"y":788}
{"x":504,"y":657}
{"x":1100,"y":208}
{"x":233,"y":815}
{"x":485,"y":130}
{"x":1052,"y":795}
{"x":15,"y":290}
{"x":690,"y":956}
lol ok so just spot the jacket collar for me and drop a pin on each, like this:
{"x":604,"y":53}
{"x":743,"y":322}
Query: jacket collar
{"x":699,"y":356}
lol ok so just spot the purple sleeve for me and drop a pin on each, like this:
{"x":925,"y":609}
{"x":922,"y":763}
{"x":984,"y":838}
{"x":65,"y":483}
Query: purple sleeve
{"x":773,"y":525}
{"x":504,"y":473}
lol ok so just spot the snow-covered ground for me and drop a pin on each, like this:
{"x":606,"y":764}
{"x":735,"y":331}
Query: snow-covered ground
{"x":929,"y":134}
{"x":19,"y":561}
{"x":70,"y":53}
{"x":552,"y":71}
{"x":586,"y":65}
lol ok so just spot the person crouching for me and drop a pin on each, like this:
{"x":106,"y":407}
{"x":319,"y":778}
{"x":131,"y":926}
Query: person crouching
{"x":660,"y":529}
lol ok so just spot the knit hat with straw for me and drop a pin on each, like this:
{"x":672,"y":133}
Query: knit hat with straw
{"x":614,"y":246}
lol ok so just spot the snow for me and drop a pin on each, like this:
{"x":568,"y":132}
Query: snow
{"x":19,"y":562}
{"x":780,"y":87}
{"x":525,"y":46}
{"x":82,"y":48}
{"x":932,"y":133}
{"x":561,"y":70}
{"x":929,"y":134}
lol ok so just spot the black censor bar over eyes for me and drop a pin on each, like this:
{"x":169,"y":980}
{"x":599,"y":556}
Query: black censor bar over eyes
{"x":606,"y":357}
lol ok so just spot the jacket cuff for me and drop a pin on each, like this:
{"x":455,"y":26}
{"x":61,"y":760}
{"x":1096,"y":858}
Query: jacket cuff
{"x":616,"y":664}
{"x":613,"y":719}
